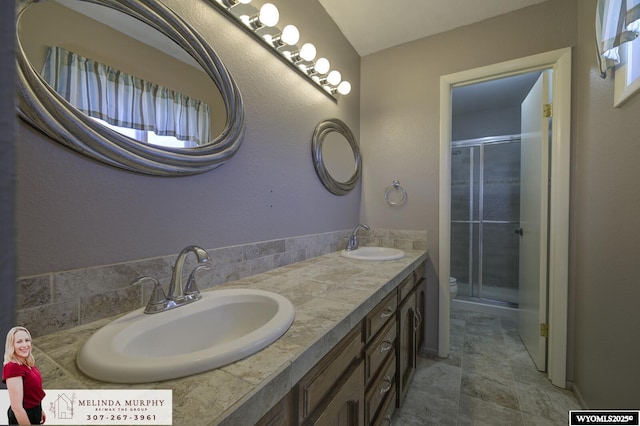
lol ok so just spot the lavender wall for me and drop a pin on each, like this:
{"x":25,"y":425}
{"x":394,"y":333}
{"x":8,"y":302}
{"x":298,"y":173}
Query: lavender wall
{"x":74,"y":213}
{"x":7,"y":176}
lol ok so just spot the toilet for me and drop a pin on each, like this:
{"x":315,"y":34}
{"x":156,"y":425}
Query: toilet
{"x":453,"y":287}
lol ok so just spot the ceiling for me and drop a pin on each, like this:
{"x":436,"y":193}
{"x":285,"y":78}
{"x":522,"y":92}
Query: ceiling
{"x":372,"y":25}
{"x":496,"y":94}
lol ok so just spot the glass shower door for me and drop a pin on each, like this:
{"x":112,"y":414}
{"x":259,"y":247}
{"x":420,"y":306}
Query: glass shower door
{"x":500,"y":220}
{"x":465,"y":223}
{"x":485,"y":198}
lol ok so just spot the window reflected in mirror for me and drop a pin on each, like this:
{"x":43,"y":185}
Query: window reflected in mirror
{"x":148,"y":136}
{"x":108,"y":59}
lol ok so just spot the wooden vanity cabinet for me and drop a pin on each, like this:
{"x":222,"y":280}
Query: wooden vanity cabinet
{"x":365,"y":376}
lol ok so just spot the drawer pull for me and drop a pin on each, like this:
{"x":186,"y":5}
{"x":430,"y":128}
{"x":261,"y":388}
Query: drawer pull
{"x":387,"y":312}
{"x":386,"y":345}
{"x":418,"y":318}
{"x":387,"y":388}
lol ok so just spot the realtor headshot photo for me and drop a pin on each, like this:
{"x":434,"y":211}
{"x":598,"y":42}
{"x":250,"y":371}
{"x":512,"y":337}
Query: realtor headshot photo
{"x":22,"y":379}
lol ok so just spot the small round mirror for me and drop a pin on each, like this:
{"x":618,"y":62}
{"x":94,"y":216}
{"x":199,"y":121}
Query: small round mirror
{"x":336,"y":156}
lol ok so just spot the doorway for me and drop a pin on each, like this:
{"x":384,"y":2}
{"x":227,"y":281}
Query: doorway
{"x":559,"y":62}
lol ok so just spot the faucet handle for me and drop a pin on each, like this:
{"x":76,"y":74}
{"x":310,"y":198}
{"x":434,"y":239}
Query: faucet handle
{"x":158,"y":298}
{"x":191,"y":291}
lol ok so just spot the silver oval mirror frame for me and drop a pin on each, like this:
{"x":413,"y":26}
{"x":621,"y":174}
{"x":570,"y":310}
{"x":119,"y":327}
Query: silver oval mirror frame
{"x":321,"y":131}
{"x":43,"y":108}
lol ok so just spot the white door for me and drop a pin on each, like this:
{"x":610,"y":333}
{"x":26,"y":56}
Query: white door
{"x":534,"y":208}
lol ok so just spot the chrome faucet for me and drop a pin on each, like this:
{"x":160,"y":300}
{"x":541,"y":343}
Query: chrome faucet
{"x":353,"y":242}
{"x":159,"y":301}
{"x":191,"y":290}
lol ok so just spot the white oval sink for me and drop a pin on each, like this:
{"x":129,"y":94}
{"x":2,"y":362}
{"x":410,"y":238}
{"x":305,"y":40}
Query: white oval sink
{"x":222,"y":327}
{"x":373,"y":253}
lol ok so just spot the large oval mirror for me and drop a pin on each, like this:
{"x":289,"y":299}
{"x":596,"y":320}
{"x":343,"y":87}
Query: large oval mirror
{"x":127,"y":83}
{"x":336,"y":156}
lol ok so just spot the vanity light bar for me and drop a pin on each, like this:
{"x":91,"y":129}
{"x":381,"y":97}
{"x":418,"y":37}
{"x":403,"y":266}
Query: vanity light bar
{"x":261,"y":24}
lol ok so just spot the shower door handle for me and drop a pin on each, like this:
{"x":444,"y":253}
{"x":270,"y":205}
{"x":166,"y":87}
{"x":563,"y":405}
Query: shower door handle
{"x":519,"y":231}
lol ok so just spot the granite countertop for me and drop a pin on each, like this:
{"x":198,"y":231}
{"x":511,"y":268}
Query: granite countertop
{"x":331,"y":295}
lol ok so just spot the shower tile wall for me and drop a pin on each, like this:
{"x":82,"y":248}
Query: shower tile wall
{"x":497,"y":166}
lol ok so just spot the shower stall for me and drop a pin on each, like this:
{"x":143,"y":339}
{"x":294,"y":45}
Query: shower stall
{"x":485,"y":219}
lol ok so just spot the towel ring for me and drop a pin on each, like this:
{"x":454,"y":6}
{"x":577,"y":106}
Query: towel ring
{"x":395,"y":187}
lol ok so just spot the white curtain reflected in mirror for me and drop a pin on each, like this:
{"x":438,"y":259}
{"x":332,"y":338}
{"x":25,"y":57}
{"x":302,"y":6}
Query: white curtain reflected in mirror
{"x":66,"y":40}
{"x":125,"y":101}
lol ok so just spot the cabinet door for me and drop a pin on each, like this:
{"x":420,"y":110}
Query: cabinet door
{"x":406,"y":344}
{"x":314,"y":387}
{"x":280,"y":414}
{"x":345,"y":406}
{"x":421,"y":309}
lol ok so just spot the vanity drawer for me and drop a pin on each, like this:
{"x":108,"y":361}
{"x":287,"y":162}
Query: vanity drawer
{"x":381,"y":389}
{"x":405,"y":287}
{"x":386,"y":411}
{"x":381,"y":348}
{"x":319,"y":382}
{"x":379,"y":315}
{"x":418,"y":274}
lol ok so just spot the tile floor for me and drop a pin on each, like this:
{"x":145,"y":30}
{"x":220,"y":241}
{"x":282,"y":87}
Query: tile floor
{"x":488,"y":379}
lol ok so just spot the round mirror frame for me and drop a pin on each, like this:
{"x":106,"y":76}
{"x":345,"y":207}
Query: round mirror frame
{"x":43,"y":108}
{"x":320,"y":132}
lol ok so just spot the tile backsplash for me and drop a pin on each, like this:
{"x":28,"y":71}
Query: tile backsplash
{"x":61,"y":300}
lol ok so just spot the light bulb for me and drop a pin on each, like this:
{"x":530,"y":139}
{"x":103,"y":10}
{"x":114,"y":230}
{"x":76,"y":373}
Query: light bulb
{"x":334,"y":77}
{"x":308,"y":52}
{"x":344,"y":88}
{"x":290,"y":35}
{"x":322,"y":66}
{"x":269,"y":15}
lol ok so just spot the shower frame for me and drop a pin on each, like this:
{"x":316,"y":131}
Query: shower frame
{"x":480,"y":143}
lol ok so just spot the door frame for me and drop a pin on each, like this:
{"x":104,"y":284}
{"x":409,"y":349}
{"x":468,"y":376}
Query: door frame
{"x":558,"y":269}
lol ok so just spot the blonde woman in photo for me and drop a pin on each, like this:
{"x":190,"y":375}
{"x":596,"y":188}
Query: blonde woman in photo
{"x":23,"y":379}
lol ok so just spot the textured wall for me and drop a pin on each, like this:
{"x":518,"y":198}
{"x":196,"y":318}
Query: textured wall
{"x":400,"y":104}
{"x":75,"y":213}
{"x":400,"y":113}
{"x":606,"y":233}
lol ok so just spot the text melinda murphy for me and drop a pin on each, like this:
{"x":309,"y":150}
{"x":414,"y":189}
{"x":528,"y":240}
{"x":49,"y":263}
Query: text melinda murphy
{"x":103,"y":406}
